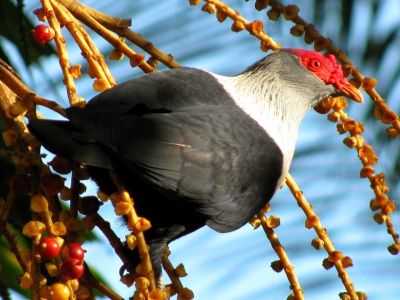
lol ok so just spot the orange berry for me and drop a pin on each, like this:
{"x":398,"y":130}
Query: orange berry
{"x":75,"y":71}
{"x":59,"y":291}
{"x":256,"y":27}
{"x":25,"y":280}
{"x":136,"y":60}
{"x":221,"y":15}
{"x":116,"y":55}
{"x":335,"y":256}
{"x":33,"y":228}
{"x":194,"y":2}
{"x":131,"y":241}
{"x":100,"y":85}
{"x":142,"y":284}
{"x":369,"y":83}
{"x":255,"y":222}
{"x":237,"y":26}
{"x":180,"y":271}
{"x":158,"y":294}
{"x":58,"y":229}
{"x":392,"y":132}
{"x":347,"y":262}
{"x":317,"y":243}
{"x":39,"y":203}
{"x":273,"y":222}
{"x":367,"y":172}
{"x":122,"y":208}
{"x":209,"y":8}
{"x":142,"y":225}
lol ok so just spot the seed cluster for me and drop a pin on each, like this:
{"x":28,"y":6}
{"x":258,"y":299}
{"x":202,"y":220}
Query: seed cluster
{"x":54,"y":266}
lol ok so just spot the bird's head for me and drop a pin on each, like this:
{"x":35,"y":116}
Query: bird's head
{"x":328,"y":70}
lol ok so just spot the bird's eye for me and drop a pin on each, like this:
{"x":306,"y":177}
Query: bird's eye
{"x":314,"y":64}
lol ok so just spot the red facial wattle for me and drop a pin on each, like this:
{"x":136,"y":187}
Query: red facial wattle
{"x":328,"y":70}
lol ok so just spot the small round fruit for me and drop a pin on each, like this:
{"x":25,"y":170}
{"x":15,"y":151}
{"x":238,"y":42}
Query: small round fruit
{"x":49,"y":248}
{"x":89,"y":205}
{"x":72,"y":268}
{"x":43,"y":34}
{"x":61,"y":165}
{"x":59,"y":291}
{"x":73,"y":250}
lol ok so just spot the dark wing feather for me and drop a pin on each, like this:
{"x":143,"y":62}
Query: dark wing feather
{"x":192,"y":144}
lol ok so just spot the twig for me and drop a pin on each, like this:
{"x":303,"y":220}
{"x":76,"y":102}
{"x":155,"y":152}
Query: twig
{"x":112,"y":238}
{"x":183,"y":293}
{"x":313,"y":221}
{"x":368,"y":158}
{"x":103,"y":18}
{"x":135,"y":58}
{"x":89,"y":50}
{"x":62,"y":51}
{"x":283,"y":257}
{"x":125,"y":206}
{"x":13,"y":82}
{"x":100,"y":286}
{"x":255,"y":28}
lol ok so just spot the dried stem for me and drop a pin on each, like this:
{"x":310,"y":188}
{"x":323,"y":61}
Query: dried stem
{"x":113,"y":239}
{"x":283,"y":257}
{"x":120,"y":26}
{"x":14,"y":83}
{"x":92,"y":281}
{"x":62,"y":51}
{"x":132,"y":220}
{"x":322,"y":234}
{"x":103,"y":18}
{"x":183,"y":292}
{"x":136,"y":38}
{"x":89,"y":50}
{"x":6,"y":208}
{"x":135,"y":58}
{"x":378,"y":185}
{"x":255,"y":28}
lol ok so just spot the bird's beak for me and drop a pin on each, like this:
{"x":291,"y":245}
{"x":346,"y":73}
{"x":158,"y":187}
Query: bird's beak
{"x":351,"y":91}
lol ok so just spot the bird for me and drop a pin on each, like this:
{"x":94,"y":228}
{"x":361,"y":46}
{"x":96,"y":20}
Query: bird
{"x":195,"y":148}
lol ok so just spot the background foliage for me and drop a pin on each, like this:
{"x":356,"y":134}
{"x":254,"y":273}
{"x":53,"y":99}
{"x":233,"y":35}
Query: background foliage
{"x":236,"y":265}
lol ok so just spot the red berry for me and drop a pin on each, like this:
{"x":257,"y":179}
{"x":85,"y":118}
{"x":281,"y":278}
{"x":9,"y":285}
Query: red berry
{"x":73,"y":250}
{"x":72,"y":268}
{"x":43,"y":34}
{"x":49,"y":248}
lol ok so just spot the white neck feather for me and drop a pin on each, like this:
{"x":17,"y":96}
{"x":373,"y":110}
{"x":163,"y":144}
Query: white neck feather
{"x":278,"y":111}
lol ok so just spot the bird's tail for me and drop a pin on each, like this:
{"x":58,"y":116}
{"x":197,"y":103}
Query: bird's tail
{"x":68,"y":141}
